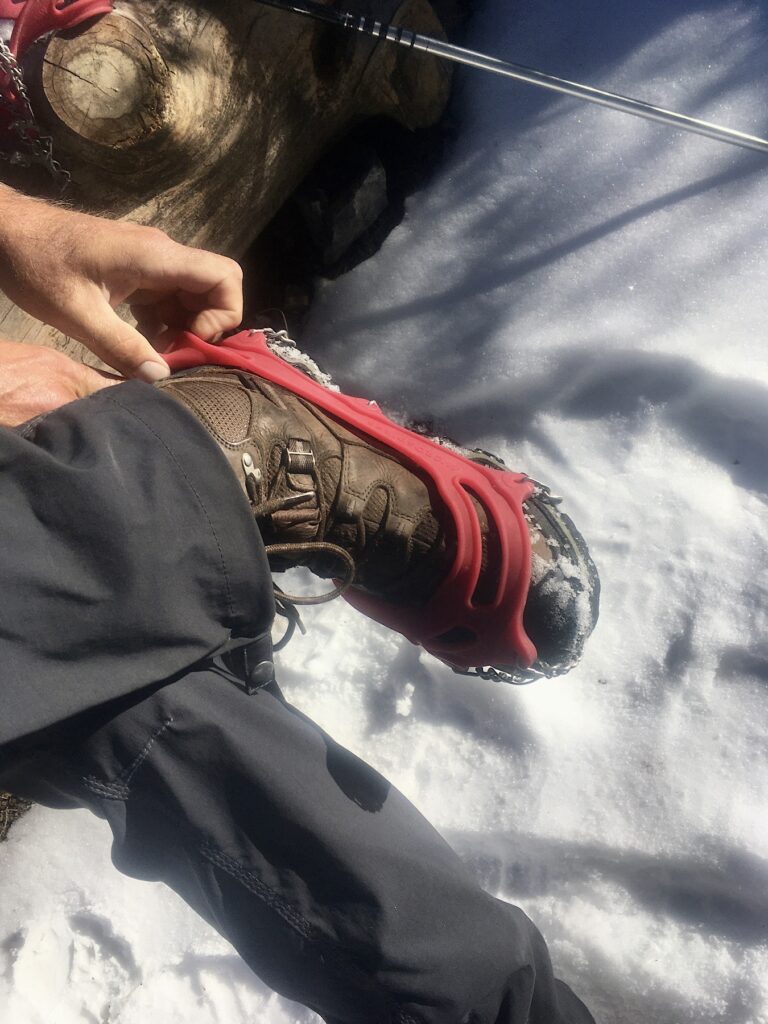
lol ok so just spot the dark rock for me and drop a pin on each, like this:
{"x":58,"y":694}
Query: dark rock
{"x":11,"y":808}
{"x":341,"y":201}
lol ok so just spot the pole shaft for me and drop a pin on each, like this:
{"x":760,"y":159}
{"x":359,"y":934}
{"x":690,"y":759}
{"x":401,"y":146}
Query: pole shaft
{"x":447,"y":51}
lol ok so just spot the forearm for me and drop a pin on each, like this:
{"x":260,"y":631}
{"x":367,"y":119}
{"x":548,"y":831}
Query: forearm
{"x":24,"y":228}
{"x":33,"y":379}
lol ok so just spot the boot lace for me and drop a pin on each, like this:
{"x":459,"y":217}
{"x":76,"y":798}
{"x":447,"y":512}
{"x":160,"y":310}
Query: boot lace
{"x":285,"y":604}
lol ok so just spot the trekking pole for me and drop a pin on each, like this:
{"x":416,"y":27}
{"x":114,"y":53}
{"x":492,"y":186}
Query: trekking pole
{"x":426,"y":44}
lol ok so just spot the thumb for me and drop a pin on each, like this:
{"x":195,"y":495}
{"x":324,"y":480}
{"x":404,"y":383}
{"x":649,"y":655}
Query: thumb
{"x":121,"y":346}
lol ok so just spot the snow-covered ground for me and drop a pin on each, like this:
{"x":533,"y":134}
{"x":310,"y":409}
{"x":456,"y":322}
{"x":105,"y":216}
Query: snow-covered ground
{"x":585,"y":294}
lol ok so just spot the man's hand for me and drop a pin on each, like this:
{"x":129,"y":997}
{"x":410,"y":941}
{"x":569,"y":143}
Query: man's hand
{"x":35,"y":380}
{"x":69,"y":270}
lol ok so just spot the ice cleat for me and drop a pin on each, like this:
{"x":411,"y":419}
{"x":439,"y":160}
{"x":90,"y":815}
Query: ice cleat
{"x":473,"y":562}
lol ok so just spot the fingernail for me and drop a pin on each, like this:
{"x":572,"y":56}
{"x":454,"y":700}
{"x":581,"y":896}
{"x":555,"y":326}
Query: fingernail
{"x":152,"y":371}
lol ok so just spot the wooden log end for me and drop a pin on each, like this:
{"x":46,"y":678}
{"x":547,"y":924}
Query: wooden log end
{"x":107,"y":86}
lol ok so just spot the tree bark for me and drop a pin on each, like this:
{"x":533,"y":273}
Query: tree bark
{"x":201,"y":117}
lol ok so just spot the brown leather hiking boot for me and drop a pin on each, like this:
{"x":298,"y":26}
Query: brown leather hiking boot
{"x":323,"y":497}
{"x":329,"y":496}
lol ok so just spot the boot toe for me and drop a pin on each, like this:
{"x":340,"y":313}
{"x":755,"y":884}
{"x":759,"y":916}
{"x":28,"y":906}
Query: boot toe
{"x":563,"y":600}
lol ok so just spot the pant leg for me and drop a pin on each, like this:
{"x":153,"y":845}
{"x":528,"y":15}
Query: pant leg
{"x":332,"y":887}
{"x":128,"y":554}
{"x":136,"y":596}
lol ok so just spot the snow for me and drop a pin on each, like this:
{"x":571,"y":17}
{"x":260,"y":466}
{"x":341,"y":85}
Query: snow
{"x":583,"y":293}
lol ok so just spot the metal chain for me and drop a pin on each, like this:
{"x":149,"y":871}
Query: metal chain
{"x":28,"y":144}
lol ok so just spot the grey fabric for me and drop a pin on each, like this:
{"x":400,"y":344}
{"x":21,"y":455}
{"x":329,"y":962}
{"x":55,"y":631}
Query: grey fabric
{"x":127,"y":555}
{"x":334,"y":889}
{"x":329,"y":883}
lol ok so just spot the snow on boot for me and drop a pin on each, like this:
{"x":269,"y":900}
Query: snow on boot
{"x":445,"y":545}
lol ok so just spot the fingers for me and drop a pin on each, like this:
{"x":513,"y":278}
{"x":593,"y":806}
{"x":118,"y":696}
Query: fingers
{"x":171,"y":313}
{"x":205,"y":290}
{"x":211,"y":324}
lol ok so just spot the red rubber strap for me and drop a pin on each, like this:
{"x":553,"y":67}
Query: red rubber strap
{"x":496,"y":633}
{"x":35,"y":18}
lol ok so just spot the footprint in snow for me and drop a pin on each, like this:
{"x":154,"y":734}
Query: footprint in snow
{"x":72,"y":969}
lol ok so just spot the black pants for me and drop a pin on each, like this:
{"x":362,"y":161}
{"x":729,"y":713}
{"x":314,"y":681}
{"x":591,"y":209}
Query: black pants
{"x":134,"y":640}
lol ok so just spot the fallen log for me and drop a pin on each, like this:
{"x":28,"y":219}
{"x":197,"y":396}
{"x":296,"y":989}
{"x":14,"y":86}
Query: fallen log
{"x":201,"y":118}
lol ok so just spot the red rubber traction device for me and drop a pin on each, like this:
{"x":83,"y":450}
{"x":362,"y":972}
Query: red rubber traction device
{"x":491,"y":633}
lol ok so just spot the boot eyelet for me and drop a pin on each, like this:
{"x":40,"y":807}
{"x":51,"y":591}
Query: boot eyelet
{"x":298,"y":460}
